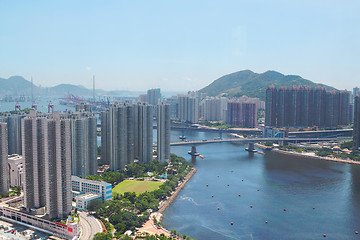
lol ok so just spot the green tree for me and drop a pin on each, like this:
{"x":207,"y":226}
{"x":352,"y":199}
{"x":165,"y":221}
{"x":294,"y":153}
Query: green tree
{"x":94,"y":205}
{"x":102,"y":236}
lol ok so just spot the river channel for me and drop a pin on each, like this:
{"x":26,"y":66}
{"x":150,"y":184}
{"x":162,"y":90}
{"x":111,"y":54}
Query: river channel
{"x":319,"y":197}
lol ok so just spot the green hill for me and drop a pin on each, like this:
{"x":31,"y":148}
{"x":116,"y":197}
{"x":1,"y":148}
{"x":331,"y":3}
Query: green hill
{"x":253,"y":84}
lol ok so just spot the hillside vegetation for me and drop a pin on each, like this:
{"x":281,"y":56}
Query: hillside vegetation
{"x":252,"y":84}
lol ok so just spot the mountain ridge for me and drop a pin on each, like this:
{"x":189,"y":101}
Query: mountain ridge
{"x":251,"y":84}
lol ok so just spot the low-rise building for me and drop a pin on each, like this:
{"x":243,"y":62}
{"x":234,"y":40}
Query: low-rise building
{"x":83,"y":200}
{"x":70,"y":230}
{"x":16,"y":170}
{"x":90,"y":186}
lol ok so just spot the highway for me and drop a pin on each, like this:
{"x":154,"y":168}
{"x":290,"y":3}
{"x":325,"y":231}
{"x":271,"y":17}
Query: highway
{"x":89,"y":226}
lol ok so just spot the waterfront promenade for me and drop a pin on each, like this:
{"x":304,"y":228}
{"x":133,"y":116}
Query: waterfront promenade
{"x":307,"y":155}
{"x":149,"y":226}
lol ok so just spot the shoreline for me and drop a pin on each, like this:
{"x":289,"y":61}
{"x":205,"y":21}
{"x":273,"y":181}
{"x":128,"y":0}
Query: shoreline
{"x":168,"y":201}
{"x":149,"y":225}
{"x":292,"y":153}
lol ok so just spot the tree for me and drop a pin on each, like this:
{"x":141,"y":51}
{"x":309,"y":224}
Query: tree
{"x":94,"y":205}
{"x":102,"y":236}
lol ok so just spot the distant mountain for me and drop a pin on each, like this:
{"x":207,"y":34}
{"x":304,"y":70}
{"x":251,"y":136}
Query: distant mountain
{"x":254,"y":84}
{"x":19,"y":86}
{"x":16,"y":85}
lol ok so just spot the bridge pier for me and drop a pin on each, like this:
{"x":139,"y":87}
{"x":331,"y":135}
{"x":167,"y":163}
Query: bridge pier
{"x":251,"y":147}
{"x":193,"y":154}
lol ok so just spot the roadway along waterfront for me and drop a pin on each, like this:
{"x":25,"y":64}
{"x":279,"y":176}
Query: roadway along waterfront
{"x":320,"y":197}
{"x":89,"y":226}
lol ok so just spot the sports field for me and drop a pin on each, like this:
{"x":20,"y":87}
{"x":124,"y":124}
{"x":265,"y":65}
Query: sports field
{"x":135,"y":186}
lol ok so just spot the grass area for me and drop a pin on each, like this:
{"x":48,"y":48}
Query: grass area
{"x":136,"y":186}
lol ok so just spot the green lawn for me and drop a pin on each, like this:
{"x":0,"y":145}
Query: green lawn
{"x":135,"y":186}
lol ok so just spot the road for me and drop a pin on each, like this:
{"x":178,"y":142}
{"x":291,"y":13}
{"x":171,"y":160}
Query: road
{"x":89,"y":226}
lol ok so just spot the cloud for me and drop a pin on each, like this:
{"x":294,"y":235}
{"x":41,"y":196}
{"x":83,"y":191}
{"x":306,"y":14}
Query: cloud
{"x":88,"y":68}
{"x":188,"y":79}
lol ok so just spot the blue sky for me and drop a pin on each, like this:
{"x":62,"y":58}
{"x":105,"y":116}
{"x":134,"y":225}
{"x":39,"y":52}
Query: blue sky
{"x":178,"y":45}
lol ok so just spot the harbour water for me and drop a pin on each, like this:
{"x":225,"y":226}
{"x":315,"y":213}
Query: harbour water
{"x":320,"y":197}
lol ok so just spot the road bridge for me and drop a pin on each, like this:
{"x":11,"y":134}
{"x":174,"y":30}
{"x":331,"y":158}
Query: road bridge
{"x":250,"y":141}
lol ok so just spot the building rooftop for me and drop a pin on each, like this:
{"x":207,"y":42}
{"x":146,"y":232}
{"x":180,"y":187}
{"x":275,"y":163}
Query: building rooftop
{"x":88,"y":196}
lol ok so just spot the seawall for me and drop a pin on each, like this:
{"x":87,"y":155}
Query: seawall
{"x":315,"y":157}
{"x":168,"y":201}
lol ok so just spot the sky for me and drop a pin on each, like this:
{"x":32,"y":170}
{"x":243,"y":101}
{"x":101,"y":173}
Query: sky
{"x":178,"y":45}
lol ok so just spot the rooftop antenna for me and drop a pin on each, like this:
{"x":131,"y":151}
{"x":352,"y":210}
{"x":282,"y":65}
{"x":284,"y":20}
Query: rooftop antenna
{"x":33,"y":106}
{"x":94,"y":88}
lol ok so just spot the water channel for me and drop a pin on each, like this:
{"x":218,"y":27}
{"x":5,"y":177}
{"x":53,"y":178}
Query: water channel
{"x":320,"y":197}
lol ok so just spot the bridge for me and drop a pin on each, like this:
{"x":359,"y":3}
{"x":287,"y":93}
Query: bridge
{"x":250,"y":141}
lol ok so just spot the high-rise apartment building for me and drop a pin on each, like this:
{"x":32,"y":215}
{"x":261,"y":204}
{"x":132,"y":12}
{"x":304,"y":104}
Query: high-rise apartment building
{"x":143,"y":132}
{"x":35,"y":145}
{"x":174,"y":106}
{"x":4,"y":176}
{"x":84,"y":144}
{"x":213,"y":108}
{"x":163,"y":132}
{"x":154,"y":96}
{"x":83,"y":107}
{"x":47,"y":163}
{"x":126,"y":134}
{"x":242,"y":114}
{"x":188,"y":109}
{"x":356,"y":91}
{"x":356,"y":131}
{"x":303,"y":106}
{"x":58,"y":167}
{"x":117,"y":135}
{"x":14,"y":132}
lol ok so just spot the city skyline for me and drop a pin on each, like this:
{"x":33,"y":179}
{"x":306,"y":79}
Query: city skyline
{"x":178,"y":46}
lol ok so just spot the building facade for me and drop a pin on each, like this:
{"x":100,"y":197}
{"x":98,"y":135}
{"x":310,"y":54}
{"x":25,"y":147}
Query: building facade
{"x":16,"y":170}
{"x":154,"y":96}
{"x":163,"y":133}
{"x":213,"y":109}
{"x":305,"y":106}
{"x":188,"y":109}
{"x":47,"y":163}
{"x":34,"y":144}
{"x":242,"y":114}
{"x":58,"y":167}
{"x":127,"y":134}
{"x":83,"y":186}
{"x":4,"y":176}
{"x":84,"y":144}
